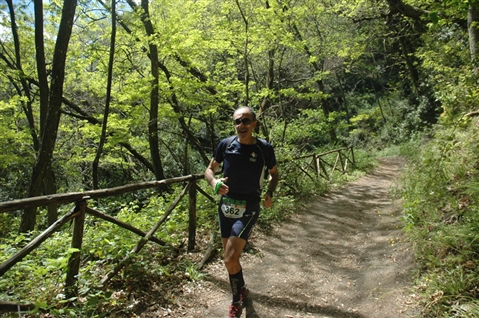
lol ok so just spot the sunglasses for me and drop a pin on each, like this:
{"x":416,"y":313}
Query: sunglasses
{"x":245,"y":121}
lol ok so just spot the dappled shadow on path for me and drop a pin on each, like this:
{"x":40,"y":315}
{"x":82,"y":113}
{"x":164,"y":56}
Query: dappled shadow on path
{"x":284,"y":304}
{"x":287,"y":304}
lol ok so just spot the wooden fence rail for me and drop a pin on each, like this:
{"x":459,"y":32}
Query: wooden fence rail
{"x":317,"y":165}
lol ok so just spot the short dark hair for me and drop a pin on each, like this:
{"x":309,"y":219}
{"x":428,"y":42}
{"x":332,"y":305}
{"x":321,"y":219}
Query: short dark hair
{"x":250,"y":110}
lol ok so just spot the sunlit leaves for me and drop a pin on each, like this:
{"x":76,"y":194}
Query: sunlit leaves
{"x":14,"y":139}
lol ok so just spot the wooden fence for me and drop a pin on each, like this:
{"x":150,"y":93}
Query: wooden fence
{"x":313,"y":166}
{"x":325,"y":164}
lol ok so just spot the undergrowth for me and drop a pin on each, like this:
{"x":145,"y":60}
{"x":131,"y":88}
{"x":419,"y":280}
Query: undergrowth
{"x":440,"y":191}
{"x":156,"y":273}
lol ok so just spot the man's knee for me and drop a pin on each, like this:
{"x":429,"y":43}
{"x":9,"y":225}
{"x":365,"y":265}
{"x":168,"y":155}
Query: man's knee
{"x":232,"y":265}
{"x":230,"y":260}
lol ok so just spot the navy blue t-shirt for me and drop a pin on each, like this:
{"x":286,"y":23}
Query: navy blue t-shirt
{"x":244,"y":165}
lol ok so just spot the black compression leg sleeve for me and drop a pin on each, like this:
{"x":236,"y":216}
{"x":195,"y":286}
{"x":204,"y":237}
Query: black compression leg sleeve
{"x":236,"y":282}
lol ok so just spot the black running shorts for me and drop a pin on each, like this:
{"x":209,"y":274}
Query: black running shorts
{"x":239,"y":227}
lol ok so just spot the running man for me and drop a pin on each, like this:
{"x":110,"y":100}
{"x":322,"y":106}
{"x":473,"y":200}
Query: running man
{"x":246,"y":160}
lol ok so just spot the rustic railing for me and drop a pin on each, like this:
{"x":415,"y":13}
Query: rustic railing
{"x":323,"y":165}
{"x":316,"y":167}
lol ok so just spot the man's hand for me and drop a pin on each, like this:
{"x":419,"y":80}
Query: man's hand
{"x":220,"y":186}
{"x":267,"y":200}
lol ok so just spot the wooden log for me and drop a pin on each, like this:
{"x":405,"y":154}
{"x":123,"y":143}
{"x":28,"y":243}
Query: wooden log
{"x":311,"y":155}
{"x":323,"y":168}
{"x":203,"y":192}
{"x":192,"y":216}
{"x":340,"y":155}
{"x":10,"y":306}
{"x":128,"y":227}
{"x":316,"y":166}
{"x":305,"y":172}
{"x":71,"y":281}
{"x":335,"y":165}
{"x":472,"y":114}
{"x":94,"y":194}
{"x":209,"y":250}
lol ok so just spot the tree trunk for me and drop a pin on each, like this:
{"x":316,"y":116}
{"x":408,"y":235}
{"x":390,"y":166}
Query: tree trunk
{"x":407,"y":56}
{"x":49,"y":134}
{"x":96,"y":161}
{"x":345,"y":99}
{"x":41,"y":64}
{"x":49,"y":186}
{"x":473,"y":28}
{"x":24,"y":84}
{"x":49,"y":180}
{"x":398,"y":6}
{"x":245,"y":57}
{"x":266,"y":103}
{"x":154,"y":95}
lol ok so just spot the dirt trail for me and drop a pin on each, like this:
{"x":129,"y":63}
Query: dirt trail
{"x":343,"y":256}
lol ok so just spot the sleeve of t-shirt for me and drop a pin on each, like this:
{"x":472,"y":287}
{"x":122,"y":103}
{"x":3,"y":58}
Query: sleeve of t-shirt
{"x":271,"y":158}
{"x":219,"y":151}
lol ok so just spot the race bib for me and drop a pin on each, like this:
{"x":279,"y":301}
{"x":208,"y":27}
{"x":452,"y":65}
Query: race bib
{"x":233,"y":208}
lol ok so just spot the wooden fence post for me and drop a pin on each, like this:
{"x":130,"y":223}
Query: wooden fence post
{"x":192,"y":216}
{"x":71,"y":282}
{"x":316,"y":166}
{"x":323,"y":168}
{"x":343,"y":166}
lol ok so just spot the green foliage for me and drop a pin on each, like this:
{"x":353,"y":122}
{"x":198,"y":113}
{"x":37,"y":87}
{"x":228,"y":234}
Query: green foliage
{"x":44,"y":267}
{"x":284,"y":207}
{"x":192,"y":272}
{"x":450,"y":70}
{"x":441,"y":205}
{"x":386,"y":122}
{"x":309,"y":132}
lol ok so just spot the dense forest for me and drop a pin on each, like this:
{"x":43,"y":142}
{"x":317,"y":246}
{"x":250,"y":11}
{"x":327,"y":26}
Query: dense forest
{"x":97,"y":94}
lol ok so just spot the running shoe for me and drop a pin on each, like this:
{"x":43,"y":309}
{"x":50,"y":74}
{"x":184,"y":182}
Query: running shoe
{"x":235,"y":310}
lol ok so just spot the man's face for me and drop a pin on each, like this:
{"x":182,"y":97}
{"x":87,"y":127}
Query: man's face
{"x":243,"y":122}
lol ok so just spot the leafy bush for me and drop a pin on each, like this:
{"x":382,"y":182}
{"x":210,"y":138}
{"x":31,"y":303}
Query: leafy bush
{"x":441,"y":211}
{"x":393,"y":122}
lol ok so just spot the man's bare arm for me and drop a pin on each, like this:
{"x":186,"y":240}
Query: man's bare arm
{"x":211,"y":179}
